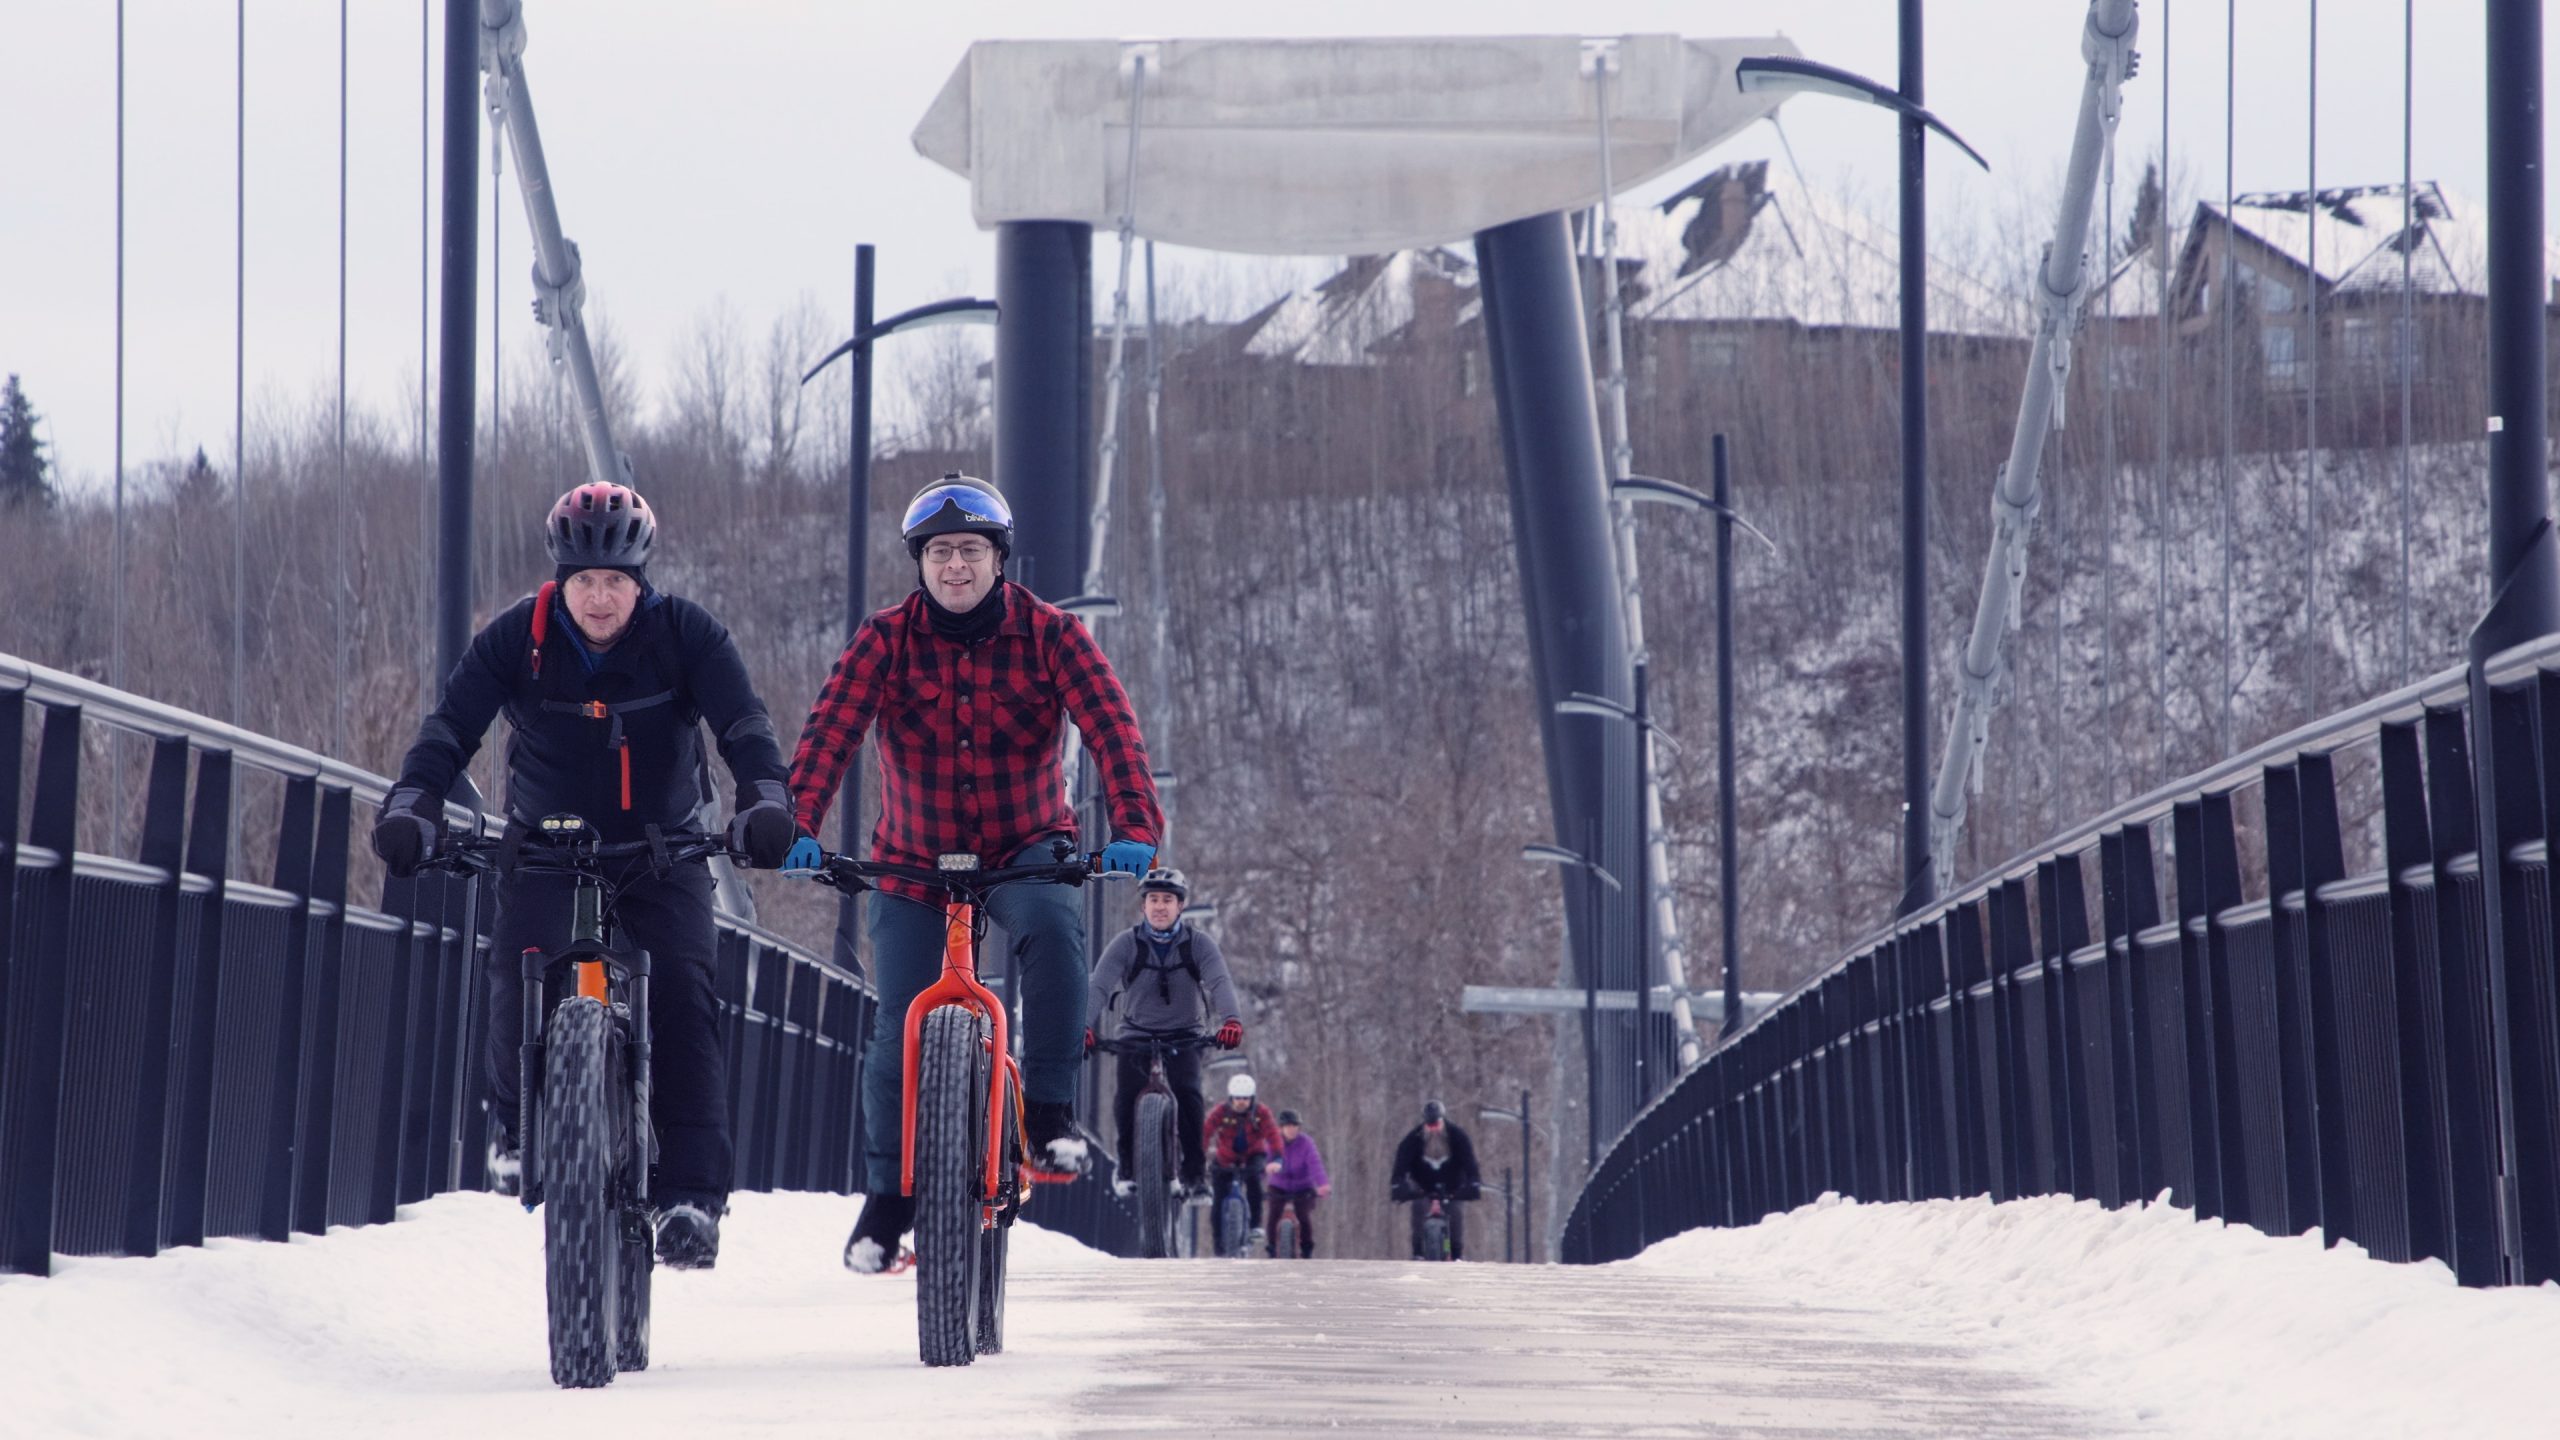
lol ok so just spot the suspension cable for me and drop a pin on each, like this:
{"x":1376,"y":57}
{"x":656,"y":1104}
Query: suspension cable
{"x":1159,"y":664}
{"x":1601,"y":57}
{"x":2312,"y":688}
{"x":2230,"y":406}
{"x":338,"y":692}
{"x":2406,"y":348}
{"x":2160,"y":231}
{"x":1099,"y":529}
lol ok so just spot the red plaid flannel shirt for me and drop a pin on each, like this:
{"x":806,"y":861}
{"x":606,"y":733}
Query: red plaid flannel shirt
{"x":969,"y":740}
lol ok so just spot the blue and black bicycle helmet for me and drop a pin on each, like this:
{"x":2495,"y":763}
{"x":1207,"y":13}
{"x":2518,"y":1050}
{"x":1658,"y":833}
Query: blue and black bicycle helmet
{"x":958,"y":504}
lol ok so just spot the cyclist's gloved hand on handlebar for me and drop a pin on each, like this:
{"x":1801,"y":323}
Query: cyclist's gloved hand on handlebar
{"x":405,"y":835}
{"x":762,"y":830}
{"x":1127,"y":857}
{"x":1088,"y":1039}
{"x":1231,"y":1035}
{"x":804,"y":857}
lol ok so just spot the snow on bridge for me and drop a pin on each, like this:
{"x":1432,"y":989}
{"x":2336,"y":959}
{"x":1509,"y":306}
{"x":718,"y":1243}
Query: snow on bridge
{"x":2041,"y":1317}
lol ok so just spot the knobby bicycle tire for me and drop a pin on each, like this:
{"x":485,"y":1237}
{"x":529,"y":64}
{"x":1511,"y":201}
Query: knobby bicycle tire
{"x":993,"y":1244}
{"x":1231,"y":1226}
{"x":1155,"y":1196}
{"x":950,"y":1111}
{"x":581,"y":1230}
{"x":1284,"y":1239}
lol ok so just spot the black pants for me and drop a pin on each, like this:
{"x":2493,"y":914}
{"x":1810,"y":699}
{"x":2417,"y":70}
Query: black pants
{"x":1455,"y":1213}
{"x":1282,"y":1202}
{"x":1182,"y":1072}
{"x":688,"y":1075}
{"x":1248,"y":1175}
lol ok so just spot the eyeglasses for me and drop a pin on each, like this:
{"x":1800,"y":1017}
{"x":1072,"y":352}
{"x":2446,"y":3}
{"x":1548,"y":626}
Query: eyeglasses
{"x":974,"y":554}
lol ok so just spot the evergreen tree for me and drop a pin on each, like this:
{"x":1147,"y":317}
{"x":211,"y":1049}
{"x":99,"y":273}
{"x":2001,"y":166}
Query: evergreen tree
{"x":23,"y":466}
{"x":200,"y":483}
{"x":2149,"y":207}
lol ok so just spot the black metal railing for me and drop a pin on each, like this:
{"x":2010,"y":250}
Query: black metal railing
{"x":187,"y":1052}
{"x":2373,"y":1054}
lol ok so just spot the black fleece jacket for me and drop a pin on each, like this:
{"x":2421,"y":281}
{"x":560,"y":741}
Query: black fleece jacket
{"x":561,"y":762}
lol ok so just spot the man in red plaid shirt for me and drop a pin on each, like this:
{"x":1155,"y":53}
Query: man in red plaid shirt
{"x":967,"y":681}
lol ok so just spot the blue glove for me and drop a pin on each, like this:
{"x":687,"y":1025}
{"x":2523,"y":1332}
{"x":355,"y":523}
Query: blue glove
{"x":1127,"y":857}
{"x":804,"y":857}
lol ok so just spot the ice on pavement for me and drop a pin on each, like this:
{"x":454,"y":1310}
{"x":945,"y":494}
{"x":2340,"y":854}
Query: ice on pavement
{"x":2175,"y":1325}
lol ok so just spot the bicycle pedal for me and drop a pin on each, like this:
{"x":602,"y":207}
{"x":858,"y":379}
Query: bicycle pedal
{"x":906,"y":1261}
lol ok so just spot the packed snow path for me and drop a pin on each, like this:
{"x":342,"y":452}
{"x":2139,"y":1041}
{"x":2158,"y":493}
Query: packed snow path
{"x":2040,"y":1317}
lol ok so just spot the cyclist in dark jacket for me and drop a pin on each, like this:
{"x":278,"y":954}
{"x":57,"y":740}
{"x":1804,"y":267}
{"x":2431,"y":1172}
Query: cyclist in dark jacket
{"x":970,"y":681}
{"x":1161,"y":977}
{"x":1437,"y":1160}
{"x":605,"y":683}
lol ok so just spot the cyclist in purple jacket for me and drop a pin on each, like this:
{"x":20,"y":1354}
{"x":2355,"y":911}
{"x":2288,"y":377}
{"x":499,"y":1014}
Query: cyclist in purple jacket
{"x":1297,"y":1179}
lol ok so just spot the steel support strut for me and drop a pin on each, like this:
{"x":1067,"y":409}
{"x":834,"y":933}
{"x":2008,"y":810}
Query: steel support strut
{"x":1561,"y":527}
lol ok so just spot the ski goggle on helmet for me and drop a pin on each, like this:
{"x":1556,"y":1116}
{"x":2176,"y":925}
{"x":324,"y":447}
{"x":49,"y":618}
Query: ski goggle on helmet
{"x":957,"y":504}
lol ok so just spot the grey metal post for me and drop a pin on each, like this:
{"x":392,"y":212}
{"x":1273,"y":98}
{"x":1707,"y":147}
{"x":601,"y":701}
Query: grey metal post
{"x":1541,"y":372}
{"x":2524,"y":578}
{"x":1044,"y":396}
{"x":1919,"y":879}
{"x":857,"y":589}
{"x":1590,"y":1001}
{"x":1528,"y":1184}
{"x":1640,"y":898}
{"x":1727,"y":817}
{"x":1507,"y":1251}
{"x":457,"y":380}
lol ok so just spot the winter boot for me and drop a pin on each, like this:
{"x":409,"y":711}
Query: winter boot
{"x":1055,"y":1145}
{"x":689,"y":1234}
{"x":872,"y":1248}
{"x":505,"y":1160}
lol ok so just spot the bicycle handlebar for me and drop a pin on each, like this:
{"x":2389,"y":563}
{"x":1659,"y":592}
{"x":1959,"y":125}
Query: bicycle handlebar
{"x":846,"y":873}
{"x":1152,"y":1044}
{"x":537,"y":853}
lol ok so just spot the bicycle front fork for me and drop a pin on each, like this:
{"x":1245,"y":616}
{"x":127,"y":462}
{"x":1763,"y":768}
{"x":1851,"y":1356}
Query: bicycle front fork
{"x":537,"y":970}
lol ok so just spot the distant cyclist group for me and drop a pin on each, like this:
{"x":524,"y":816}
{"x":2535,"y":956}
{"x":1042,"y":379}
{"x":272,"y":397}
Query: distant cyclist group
{"x":609,"y":683}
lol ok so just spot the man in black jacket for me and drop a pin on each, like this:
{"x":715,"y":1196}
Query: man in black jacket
{"x":1437,"y":1160}
{"x":605,"y":684}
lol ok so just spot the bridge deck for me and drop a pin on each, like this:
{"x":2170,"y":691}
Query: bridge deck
{"x":433,"y":1327}
{"x":1372,"y":1348}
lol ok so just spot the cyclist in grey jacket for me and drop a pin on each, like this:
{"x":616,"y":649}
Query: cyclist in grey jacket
{"x":1161,"y":977}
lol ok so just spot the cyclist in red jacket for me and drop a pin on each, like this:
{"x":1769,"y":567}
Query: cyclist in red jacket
{"x":1240,"y":1137}
{"x":968,"y":681}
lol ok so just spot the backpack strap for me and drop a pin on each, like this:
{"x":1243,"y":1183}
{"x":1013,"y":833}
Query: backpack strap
{"x":542,"y":620}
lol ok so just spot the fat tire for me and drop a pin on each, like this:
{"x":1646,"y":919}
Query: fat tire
{"x":581,"y":1226}
{"x":1231,"y":1227}
{"x":639,"y":1259}
{"x":1155,"y":1179}
{"x":1435,"y":1238}
{"x":1284,"y":1238}
{"x":993,"y":1244}
{"x":950,"y":1110}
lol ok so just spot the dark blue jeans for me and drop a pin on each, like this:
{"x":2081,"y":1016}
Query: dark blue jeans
{"x":1044,"y":924}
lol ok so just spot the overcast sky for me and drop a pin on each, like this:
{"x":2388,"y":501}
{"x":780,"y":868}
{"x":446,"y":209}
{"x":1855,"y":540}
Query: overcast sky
{"x":737,"y":151}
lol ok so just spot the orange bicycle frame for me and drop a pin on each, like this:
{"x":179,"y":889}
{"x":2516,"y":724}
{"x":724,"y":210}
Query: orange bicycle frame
{"x":959,"y":986}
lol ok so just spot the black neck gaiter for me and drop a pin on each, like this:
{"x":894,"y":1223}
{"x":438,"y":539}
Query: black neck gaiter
{"x":970,"y":626}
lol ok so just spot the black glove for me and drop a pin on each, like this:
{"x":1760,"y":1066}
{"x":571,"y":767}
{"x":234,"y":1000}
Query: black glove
{"x":1471,"y":1192}
{"x":405,"y":835}
{"x":763,"y":830}
{"x":1401,"y":1191}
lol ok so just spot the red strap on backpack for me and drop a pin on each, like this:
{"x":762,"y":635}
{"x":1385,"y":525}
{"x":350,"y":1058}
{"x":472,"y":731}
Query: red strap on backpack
{"x":542,"y":621}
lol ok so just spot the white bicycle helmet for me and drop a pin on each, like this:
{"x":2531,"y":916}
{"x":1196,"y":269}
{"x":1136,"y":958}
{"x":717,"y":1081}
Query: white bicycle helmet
{"x":1240,"y":1087}
{"x":1164,"y":877}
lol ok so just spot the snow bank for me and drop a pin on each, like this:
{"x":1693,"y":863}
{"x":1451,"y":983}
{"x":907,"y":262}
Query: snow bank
{"x":434,"y":1327}
{"x":2178,"y":1325}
